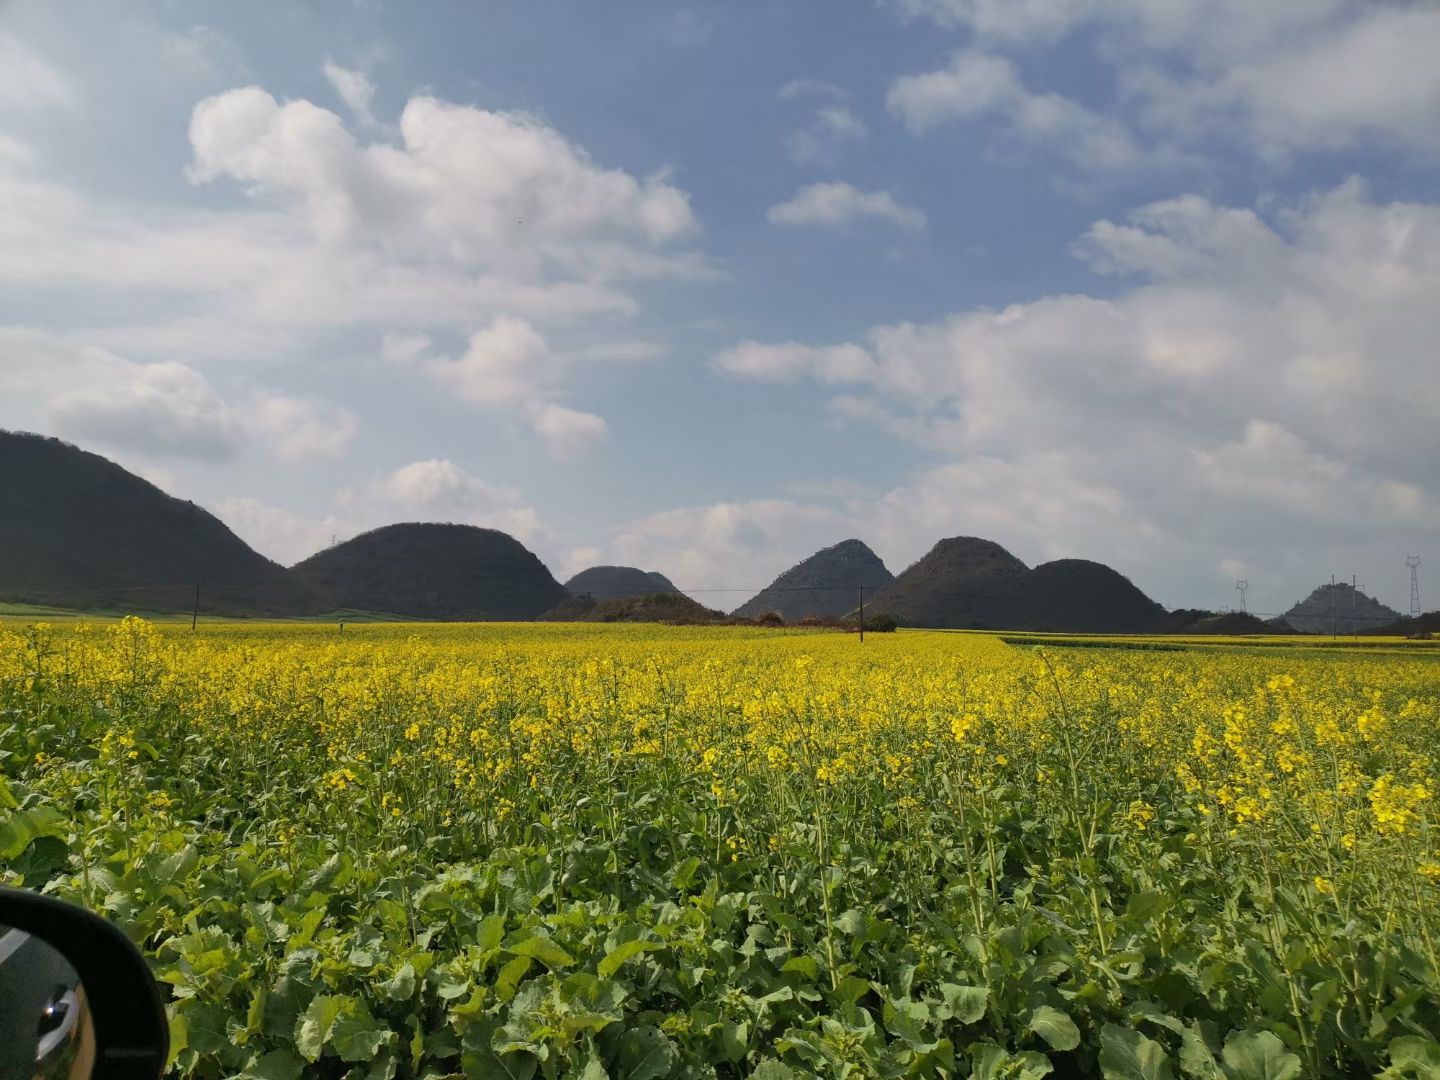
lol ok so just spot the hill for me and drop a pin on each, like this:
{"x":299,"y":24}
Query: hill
{"x":618,"y":582}
{"x":78,"y":531}
{"x":664,"y":607}
{"x":1210,"y":623}
{"x":445,"y":572}
{"x":1429,"y":623}
{"x":825,"y":584}
{"x":966,"y":582}
{"x":1339,"y":609}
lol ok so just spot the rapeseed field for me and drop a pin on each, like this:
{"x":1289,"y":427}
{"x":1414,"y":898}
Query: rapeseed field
{"x":644,"y":852}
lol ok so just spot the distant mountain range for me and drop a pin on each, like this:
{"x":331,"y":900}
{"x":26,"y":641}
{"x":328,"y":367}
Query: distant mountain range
{"x":78,"y":531}
{"x":966,"y":582}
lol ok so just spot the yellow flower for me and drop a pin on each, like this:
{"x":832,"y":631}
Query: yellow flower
{"x":1324,"y":885}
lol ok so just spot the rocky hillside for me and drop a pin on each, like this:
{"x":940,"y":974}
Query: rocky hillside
{"x":1339,"y":609}
{"x":618,"y":582}
{"x":825,"y":584}
{"x":967,"y":582}
{"x":78,"y":531}
{"x":448,"y":572}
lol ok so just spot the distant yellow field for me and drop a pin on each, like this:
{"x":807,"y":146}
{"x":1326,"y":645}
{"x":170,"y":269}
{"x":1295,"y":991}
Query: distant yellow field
{"x":575,"y":849}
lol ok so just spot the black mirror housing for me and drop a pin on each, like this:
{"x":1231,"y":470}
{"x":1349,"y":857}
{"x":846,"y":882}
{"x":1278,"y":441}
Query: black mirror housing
{"x":132,"y":1036}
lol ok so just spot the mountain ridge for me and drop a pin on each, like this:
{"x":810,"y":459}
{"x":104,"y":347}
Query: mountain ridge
{"x":825,"y":584}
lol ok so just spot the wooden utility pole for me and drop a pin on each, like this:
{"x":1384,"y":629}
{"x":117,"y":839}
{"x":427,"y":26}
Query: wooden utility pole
{"x":862,"y":614}
{"x":195,"y":611}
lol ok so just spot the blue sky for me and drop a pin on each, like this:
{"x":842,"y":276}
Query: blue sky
{"x":704,"y":288}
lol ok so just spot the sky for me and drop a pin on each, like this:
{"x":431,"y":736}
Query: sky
{"x":704,"y":288}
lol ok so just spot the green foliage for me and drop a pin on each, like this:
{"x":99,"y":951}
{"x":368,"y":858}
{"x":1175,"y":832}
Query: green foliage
{"x":607,"y":928}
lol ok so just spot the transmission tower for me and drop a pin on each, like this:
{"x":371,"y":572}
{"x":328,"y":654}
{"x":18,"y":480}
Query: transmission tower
{"x":1413,"y":562}
{"x":1240,"y":587}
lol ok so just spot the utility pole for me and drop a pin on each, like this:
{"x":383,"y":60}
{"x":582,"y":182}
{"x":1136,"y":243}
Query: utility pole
{"x":862,"y":614}
{"x":195,"y":611}
{"x":1354,"y":615}
{"x":1333,"y":632}
{"x":1240,"y":587}
{"x":1413,"y":562}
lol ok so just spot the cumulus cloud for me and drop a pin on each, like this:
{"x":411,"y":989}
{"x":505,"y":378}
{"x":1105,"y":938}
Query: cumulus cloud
{"x":465,"y":214}
{"x":835,"y":203}
{"x":1277,"y":372}
{"x":976,"y":85}
{"x":506,"y":365}
{"x":160,"y":409}
{"x":1287,"y":76}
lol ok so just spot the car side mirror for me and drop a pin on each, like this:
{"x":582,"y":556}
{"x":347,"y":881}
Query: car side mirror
{"x":77,"y":1000}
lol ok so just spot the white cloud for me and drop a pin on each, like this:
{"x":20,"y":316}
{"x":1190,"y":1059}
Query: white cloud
{"x":567,"y":432}
{"x":463,"y":179}
{"x":503,"y":364}
{"x":1285,"y":76}
{"x":161,"y":409}
{"x":507,"y":365}
{"x":28,"y":82}
{"x":976,"y":85}
{"x":832,"y":127}
{"x":468,"y":215}
{"x":355,"y":90}
{"x":734,"y":546}
{"x":835,"y":203}
{"x":792,"y":360}
{"x":1278,"y":374}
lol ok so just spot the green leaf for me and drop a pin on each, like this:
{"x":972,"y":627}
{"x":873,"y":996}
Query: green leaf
{"x":22,"y":828}
{"x":490,"y":933}
{"x":401,"y":985}
{"x":544,"y":950}
{"x":967,"y":1003}
{"x":1125,"y":1054}
{"x":770,"y":1069}
{"x":1055,"y":1027}
{"x":357,"y":1036}
{"x":645,"y":1054}
{"x":685,"y":874}
{"x":594,"y":1069}
{"x":986,"y":1061}
{"x":508,"y":981}
{"x":804,"y":966}
{"x":276,"y":1065}
{"x":178,"y":865}
{"x":1196,"y":1059}
{"x":479,"y":1059}
{"x":1417,"y":1055}
{"x":207,"y":1028}
{"x":8,"y":801}
{"x":315,"y":1024}
{"x":179,"y":1038}
{"x":622,"y":952}
{"x":1259,"y":1055}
